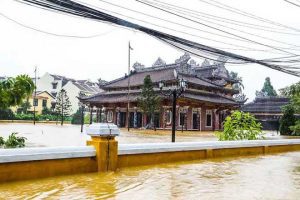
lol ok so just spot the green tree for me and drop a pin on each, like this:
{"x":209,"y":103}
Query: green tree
{"x":293,"y":92}
{"x":149,"y":101}
{"x":287,"y":120}
{"x":238,"y":86}
{"x":240,"y":126}
{"x":63,"y":105}
{"x":289,"y":125}
{"x":76,"y":118}
{"x":295,"y":128}
{"x":24,"y":107}
{"x":14,"y":90}
{"x":6,"y":114}
{"x":267,"y":90}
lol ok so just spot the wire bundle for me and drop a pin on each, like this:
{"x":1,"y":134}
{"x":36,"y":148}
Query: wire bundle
{"x":288,"y":64}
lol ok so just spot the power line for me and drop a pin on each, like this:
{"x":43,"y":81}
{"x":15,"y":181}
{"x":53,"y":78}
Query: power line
{"x":209,"y":26}
{"x":50,"y":33}
{"x":72,"y":7}
{"x":292,"y":3}
{"x":246,"y":14}
{"x":183,"y":25}
{"x":224,"y":20}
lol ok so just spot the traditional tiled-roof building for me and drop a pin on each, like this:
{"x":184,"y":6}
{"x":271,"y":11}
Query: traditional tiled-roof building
{"x":268,"y":110}
{"x":53,"y":83}
{"x":202,"y":106}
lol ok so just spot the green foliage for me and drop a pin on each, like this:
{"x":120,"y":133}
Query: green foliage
{"x":76,"y":118}
{"x":2,"y":142}
{"x":295,"y":129}
{"x":293,"y":92}
{"x":63,"y":105}
{"x":240,"y":126}
{"x":238,"y":86}
{"x":149,"y":101}
{"x":6,"y":114}
{"x":287,"y":120}
{"x":87,"y":119}
{"x":267,"y":90}
{"x":14,"y":90}
{"x":14,"y":141}
{"x":24,"y":107}
{"x":47,"y":111}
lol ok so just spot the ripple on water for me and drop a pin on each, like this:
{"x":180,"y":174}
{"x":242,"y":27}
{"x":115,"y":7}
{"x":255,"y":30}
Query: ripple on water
{"x":260,"y":177}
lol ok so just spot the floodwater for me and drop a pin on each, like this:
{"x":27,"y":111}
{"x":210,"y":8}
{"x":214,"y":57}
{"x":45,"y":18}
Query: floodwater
{"x":69,"y":135}
{"x":42,"y":135}
{"x":273,"y":177}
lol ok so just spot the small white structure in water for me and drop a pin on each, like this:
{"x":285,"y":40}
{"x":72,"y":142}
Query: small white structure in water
{"x":103,"y":130}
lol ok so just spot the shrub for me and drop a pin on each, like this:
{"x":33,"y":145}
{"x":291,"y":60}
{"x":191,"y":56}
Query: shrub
{"x":76,"y":118}
{"x":240,"y":126}
{"x":287,"y":120}
{"x":295,"y":129}
{"x":6,"y":114}
{"x":14,"y":141}
{"x":1,"y":141}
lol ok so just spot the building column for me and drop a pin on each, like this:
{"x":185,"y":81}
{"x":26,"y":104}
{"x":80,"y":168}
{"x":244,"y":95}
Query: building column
{"x":97,"y":115}
{"x":135,"y":118}
{"x":100,"y":114}
{"x":91,"y":114}
{"x":213,"y":119}
{"x":199,"y":118}
{"x":118,"y":117}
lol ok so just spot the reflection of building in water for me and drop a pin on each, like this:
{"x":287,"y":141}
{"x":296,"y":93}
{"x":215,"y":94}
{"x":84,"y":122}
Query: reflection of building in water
{"x":267,"y":110}
{"x":203,"y":105}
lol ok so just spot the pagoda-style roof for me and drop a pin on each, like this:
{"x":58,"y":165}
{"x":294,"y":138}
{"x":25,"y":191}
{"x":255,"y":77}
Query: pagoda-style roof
{"x":266,"y":105}
{"x":164,"y":73}
{"x":200,"y":88}
{"x":121,"y":96}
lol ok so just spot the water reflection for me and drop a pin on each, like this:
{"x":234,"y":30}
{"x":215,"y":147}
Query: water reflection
{"x":262,"y":177}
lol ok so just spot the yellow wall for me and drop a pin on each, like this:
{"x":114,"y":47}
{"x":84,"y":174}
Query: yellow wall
{"x":47,"y":168}
{"x":41,"y":96}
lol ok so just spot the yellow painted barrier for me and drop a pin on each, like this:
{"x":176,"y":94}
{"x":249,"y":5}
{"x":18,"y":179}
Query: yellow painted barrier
{"x":107,"y":155}
{"x":16,"y":171}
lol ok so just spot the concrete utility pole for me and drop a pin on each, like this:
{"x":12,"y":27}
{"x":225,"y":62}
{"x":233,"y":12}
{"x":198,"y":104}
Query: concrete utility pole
{"x":34,"y":96}
{"x":128,"y":104}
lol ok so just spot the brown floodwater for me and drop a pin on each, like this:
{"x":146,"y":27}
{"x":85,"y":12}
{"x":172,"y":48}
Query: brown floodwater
{"x":274,"y":176}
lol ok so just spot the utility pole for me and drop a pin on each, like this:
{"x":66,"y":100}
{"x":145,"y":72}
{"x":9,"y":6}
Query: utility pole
{"x":34,"y":96}
{"x":128,"y":104}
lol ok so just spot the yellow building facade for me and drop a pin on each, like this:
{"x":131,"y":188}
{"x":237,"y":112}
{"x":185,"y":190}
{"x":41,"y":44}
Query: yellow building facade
{"x":41,"y":100}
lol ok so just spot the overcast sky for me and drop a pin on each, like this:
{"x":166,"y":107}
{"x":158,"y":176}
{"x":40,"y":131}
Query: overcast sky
{"x":106,"y":54}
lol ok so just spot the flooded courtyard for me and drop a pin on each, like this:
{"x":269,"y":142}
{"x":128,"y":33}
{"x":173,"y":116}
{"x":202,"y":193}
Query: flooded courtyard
{"x":47,"y":135}
{"x":259,"y":177}
{"x":69,"y":135}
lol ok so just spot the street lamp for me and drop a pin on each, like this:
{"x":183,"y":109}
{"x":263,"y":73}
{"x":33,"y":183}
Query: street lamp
{"x":175,"y":92}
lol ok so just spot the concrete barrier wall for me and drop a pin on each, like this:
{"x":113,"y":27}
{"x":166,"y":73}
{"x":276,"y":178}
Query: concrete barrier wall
{"x":30,"y":163}
{"x":146,"y":154}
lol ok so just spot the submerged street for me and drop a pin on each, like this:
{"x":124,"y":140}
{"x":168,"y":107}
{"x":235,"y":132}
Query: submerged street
{"x":48,"y":135}
{"x":274,"y":176}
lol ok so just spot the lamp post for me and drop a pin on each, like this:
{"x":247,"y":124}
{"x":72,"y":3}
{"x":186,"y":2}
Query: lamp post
{"x":175,"y":92}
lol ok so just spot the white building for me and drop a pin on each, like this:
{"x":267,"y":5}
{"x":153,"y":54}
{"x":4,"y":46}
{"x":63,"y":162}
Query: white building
{"x":54,"y":83}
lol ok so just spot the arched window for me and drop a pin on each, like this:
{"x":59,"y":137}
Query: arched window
{"x":109,"y":116}
{"x":168,"y":117}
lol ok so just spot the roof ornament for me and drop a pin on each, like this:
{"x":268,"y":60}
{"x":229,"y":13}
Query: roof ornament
{"x":184,"y":58}
{"x":221,"y":60}
{"x":138,"y":66}
{"x":193,"y":63}
{"x":220,"y":82}
{"x":205,"y":63}
{"x":159,"y":62}
{"x":221,"y":71}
